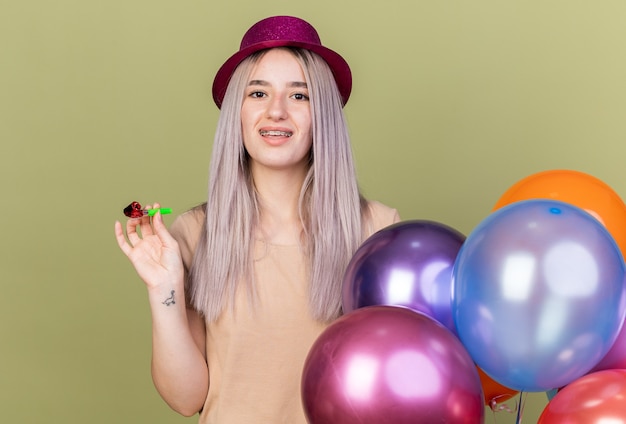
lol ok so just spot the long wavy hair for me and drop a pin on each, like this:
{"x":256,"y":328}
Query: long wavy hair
{"x":331,"y":207}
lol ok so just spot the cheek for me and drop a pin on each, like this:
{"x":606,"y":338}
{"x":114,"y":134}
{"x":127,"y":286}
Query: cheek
{"x":305,"y":124}
{"x":247,"y":125}
{"x":249,"y":114}
{"x":245,"y":121}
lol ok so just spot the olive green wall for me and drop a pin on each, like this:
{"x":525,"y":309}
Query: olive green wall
{"x":102,"y":103}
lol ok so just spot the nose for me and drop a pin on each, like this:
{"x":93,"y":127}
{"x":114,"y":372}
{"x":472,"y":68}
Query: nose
{"x":277,"y":108}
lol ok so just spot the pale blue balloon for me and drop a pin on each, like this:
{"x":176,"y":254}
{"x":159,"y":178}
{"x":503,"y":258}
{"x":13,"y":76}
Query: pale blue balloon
{"x":539,"y":295}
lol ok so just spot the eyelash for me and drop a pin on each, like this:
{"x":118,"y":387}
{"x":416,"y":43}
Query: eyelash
{"x":259,"y":94}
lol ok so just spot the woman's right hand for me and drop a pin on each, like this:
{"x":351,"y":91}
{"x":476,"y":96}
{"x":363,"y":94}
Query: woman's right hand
{"x":179,"y":367}
{"x":153,"y":251}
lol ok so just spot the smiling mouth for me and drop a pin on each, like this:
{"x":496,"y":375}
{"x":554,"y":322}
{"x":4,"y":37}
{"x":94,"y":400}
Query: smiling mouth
{"x":275,"y":133}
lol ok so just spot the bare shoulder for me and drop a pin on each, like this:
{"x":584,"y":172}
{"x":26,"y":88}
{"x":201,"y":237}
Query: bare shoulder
{"x":188,"y":221}
{"x":186,"y":229}
{"x":380,"y":216}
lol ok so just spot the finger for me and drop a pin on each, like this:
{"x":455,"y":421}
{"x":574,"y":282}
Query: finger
{"x":161,"y":230}
{"x":131,"y":230}
{"x":145,"y":226}
{"x":152,"y":206}
{"x":121,"y":239}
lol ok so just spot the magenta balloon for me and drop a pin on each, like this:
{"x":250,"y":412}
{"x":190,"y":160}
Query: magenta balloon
{"x":406,"y":264}
{"x":386,"y":364}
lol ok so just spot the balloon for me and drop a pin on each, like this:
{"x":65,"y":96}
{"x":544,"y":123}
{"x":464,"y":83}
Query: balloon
{"x":406,"y":264}
{"x":579,"y":189}
{"x":493,"y":391}
{"x":616,"y":357}
{"x":596,"y":398}
{"x":551,"y":393}
{"x":538,"y":294}
{"x":388,"y":364}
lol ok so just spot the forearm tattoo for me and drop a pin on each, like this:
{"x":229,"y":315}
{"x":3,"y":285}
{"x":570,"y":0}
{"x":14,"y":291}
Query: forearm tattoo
{"x":170,"y":300}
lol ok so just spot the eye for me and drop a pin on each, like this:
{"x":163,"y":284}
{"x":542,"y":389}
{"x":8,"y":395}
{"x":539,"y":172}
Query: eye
{"x":256,"y":94}
{"x":300,"y":96}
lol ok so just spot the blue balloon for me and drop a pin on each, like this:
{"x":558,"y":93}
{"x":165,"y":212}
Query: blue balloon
{"x":405,"y":264}
{"x":539,"y":294}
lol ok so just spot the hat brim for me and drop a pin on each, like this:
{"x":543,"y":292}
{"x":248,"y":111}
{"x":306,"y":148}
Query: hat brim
{"x":338,"y":66}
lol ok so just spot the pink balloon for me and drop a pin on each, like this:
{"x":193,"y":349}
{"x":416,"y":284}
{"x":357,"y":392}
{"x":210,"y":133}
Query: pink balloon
{"x":596,"y":398}
{"x":389,"y":364}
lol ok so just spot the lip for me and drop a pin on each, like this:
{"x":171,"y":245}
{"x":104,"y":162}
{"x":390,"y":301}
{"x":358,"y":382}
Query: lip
{"x":275,"y":140}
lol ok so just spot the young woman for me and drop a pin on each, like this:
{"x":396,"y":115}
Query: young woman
{"x":241,"y":286}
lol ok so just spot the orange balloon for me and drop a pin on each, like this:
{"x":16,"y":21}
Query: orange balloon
{"x":494,"y":392}
{"x":576,"y":188}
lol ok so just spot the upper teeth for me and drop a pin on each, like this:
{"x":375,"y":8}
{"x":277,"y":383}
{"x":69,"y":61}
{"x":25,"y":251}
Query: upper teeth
{"x":276,"y":133}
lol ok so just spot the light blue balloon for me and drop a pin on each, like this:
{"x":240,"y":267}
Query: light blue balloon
{"x":551,"y":394}
{"x":539,"y":295}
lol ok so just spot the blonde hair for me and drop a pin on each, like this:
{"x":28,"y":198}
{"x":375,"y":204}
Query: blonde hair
{"x":330,"y":205}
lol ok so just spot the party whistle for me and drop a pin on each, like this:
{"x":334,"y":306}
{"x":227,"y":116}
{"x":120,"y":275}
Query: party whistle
{"x":152,"y":212}
{"x":134,"y":210}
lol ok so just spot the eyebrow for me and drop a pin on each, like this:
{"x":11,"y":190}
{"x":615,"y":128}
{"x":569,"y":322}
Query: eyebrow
{"x":297,"y":84}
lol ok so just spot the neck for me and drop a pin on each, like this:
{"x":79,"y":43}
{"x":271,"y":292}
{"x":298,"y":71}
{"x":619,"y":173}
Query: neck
{"x":279,"y":194}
